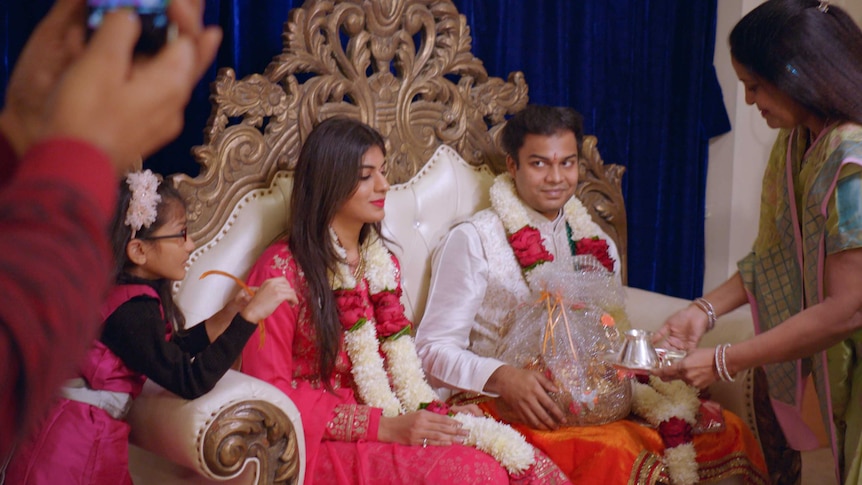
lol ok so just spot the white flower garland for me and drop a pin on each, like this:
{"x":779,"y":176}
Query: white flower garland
{"x":660,"y":401}
{"x":502,"y":442}
{"x":513,"y":214}
{"x":403,"y":364}
{"x":144,"y":188}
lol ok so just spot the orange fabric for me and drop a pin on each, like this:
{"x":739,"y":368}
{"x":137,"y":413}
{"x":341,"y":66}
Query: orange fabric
{"x":625,"y":452}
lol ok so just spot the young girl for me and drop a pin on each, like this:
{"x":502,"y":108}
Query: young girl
{"x":360,"y":412}
{"x":84,"y":439}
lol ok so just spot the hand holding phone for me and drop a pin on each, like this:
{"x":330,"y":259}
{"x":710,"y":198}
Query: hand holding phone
{"x":156,"y":28}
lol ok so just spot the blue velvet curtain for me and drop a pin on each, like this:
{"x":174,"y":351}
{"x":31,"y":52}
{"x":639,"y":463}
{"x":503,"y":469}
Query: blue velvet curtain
{"x":639,"y":70}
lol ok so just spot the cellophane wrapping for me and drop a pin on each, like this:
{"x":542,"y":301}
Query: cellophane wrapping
{"x":570,"y":321}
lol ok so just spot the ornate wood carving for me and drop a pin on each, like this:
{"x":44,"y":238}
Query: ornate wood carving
{"x":402,"y":66}
{"x":253,"y":429}
{"x":600,"y":190}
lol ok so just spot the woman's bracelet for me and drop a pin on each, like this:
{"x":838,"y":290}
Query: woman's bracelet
{"x":707,"y":308}
{"x":721,"y":363}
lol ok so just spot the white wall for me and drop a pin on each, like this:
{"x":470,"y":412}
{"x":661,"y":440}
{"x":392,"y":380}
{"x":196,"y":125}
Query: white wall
{"x":737,"y":159}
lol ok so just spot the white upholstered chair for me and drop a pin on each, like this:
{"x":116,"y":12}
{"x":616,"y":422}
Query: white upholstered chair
{"x":424,"y":98}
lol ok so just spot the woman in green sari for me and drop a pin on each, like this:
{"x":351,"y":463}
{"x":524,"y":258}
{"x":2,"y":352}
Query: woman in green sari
{"x":800,"y":62}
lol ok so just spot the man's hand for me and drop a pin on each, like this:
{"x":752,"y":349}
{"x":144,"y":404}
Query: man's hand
{"x":526,"y":393}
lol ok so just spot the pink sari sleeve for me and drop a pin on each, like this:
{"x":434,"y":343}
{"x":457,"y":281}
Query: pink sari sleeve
{"x":325,"y":415}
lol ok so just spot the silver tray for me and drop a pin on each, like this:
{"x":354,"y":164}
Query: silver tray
{"x":665,"y":357}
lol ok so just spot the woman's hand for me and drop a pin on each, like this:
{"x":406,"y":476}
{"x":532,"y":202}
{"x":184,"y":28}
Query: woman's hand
{"x":272,"y":293}
{"x":684,"y":329}
{"x":421,"y":428}
{"x":696,"y":369}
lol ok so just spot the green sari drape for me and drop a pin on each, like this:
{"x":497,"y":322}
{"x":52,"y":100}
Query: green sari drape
{"x":811,"y":206}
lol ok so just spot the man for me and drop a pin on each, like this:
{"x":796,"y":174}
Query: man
{"x":481,"y":272}
{"x":76,"y":117}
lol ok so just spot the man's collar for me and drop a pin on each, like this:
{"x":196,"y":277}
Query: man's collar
{"x":537,"y":219}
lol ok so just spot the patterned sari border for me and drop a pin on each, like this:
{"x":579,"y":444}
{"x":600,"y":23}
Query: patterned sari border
{"x":648,"y":469}
{"x":734,"y":464}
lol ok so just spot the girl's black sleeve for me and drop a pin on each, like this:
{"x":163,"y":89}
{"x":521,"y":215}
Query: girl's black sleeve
{"x":136,"y":333}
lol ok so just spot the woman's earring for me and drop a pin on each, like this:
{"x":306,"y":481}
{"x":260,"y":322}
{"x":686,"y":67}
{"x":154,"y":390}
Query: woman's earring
{"x":824,"y":6}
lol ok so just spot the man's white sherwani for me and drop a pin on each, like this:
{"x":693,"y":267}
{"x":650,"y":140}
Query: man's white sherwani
{"x":476,"y":281}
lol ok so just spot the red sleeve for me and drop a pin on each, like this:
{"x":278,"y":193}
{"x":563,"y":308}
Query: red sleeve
{"x":8,"y":160}
{"x":55,"y":261}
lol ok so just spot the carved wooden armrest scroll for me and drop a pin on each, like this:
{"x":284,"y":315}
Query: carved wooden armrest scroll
{"x":253,"y":429}
{"x":600,"y":190}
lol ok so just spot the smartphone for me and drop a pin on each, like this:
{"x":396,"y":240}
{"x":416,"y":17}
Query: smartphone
{"x":156,"y":28}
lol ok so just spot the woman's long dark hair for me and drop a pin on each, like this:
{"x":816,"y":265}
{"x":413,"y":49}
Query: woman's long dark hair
{"x":170,"y":206}
{"x":815,"y":57}
{"x":327,"y":173}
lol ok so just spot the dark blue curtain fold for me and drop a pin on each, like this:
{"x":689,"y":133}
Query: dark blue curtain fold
{"x":639,"y":70}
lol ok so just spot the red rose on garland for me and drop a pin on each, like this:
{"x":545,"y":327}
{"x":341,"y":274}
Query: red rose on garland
{"x":598,"y":248}
{"x":351,"y":308}
{"x":528,"y":247}
{"x":436,"y":407}
{"x":389,"y":313}
{"x":674,"y":432}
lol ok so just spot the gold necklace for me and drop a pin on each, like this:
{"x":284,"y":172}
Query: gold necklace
{"x":360,"y":268}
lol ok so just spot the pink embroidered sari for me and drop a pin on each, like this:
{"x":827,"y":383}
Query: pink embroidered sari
{"x":341,"y":433}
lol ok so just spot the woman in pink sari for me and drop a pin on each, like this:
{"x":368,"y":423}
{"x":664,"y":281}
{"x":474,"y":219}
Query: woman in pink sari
{"x":344,"y":354}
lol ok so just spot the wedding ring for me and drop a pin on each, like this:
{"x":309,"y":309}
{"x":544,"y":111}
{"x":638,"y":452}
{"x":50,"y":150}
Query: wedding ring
{"x":424,"y":442}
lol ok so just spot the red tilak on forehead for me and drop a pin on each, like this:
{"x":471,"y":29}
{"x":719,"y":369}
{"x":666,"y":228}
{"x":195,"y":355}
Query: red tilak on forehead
{"x":555,"y":157}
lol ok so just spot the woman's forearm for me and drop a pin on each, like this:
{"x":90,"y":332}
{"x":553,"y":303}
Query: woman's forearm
{"x":728,"y":296}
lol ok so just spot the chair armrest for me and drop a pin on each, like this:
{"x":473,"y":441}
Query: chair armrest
{"x":242,"y":420}
{"x":649,"y":310}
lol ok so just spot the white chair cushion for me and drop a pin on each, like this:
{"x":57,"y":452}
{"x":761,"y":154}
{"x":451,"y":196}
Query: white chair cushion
{"x":421,"y":211}
{"x":254,"y":223}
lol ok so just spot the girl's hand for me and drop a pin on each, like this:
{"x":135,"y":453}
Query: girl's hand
{"x":272,"y":293}
{"x":684,"y":329}
{"x":239,"y":301}
{"x":421,"y":428}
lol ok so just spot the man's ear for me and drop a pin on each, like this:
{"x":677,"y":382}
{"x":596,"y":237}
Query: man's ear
{"x":136,"y":253}
{"x":511,"y":165}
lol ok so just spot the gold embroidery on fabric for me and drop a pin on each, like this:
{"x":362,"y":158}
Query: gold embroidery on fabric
{"x":349,"y":423}
{"x":734,"y":464}
{"x":648,"y":470}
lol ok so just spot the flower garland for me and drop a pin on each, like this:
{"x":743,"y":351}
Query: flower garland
{"x":388,"y":323}
{"x":672,"y":407}
{"x":526,"y":240}
{"x":144,"y":188}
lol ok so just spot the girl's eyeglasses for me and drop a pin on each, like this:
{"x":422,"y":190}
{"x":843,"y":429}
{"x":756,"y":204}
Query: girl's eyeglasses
{"x":184,"y":234}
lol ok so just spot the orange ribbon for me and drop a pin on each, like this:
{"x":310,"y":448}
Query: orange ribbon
{"x":247,"y":289}
{"x":554,"y":302}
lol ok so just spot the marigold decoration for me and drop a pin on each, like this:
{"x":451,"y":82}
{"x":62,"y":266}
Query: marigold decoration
{"x":526,"y":240}
{"x":671,"y":407}
{"x":384,"y":350}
